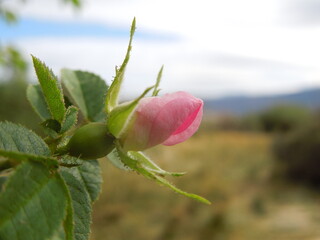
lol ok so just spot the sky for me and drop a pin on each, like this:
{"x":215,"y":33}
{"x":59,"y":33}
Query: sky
{"x":209,"y":48}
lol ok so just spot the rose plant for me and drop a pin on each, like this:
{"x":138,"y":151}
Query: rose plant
{"x":47,"y":186}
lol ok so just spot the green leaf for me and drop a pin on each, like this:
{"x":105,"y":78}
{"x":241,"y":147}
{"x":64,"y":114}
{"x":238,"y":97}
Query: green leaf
{"x":38,"y":102}
{"x":70,"y":120}
{"x":3,"y":180}
{"x":51,"y":127}
{"x":81,"y":205}
{"x":113,"y":93}
{"x":84,"y":184}
{"x":33,"y":204}
{"x":20,"y":143}
{"x":76,"y":3}
{"x":68,"y":161}
{"x":54,"y":129}
{"x":20,"y":139}
{"x":134,"y":164}
{"x":51,"y":89}
{"x":5,"y":164}
{"x":60,"y":235}
{"x":90,"y":172}
{"x":9,"y":16}
{"x":19,"y":156}
{"x":87,"y":91}
{"x":68,"y":225}
{"x":156,"y":90}
{"x":120,"y":116}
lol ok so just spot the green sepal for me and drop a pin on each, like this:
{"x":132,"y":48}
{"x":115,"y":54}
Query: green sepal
{"x":148,"y":164}
{"x":137,"y":165}
{"x":156,"y":89}
{"x":166,"y":183}
{"x":113,"y":92}
{"x":115,"y":159}
{"x":120,"y":116}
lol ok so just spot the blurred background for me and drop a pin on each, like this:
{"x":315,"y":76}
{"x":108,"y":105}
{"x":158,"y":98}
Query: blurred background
{"x":256,"y":64}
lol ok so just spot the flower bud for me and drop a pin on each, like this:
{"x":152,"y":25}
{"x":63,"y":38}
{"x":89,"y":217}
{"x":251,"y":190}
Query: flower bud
{"x":167,"y":120}
{"x":91,"y":141}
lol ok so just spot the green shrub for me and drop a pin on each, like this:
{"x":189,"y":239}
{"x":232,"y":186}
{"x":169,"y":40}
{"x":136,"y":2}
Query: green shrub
{"x":284,"y":118}
{"x":279,"y":118}
{"x":298,"y":153}
{"x":251,"y":122}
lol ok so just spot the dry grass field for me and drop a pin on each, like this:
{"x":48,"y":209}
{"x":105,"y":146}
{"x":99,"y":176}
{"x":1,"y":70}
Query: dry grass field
{"x":234,"y":170}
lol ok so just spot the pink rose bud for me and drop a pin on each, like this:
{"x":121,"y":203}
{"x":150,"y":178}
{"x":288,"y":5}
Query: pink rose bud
{"x":167,"y":120}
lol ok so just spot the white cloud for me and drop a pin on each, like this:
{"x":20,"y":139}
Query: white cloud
{"x":263,"y":54}
{"x":210,"y":78}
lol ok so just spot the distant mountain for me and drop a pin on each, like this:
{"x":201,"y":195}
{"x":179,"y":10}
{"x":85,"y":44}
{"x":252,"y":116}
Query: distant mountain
{"x":242,"y":104}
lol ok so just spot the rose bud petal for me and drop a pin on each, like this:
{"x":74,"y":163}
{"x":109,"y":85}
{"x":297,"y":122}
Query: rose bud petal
{"x":168,"y":120}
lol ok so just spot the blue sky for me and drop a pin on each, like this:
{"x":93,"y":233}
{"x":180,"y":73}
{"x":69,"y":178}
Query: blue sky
{"x":210,"y":48}
{"x":34,"y":28}
{"x":29,"y":27}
